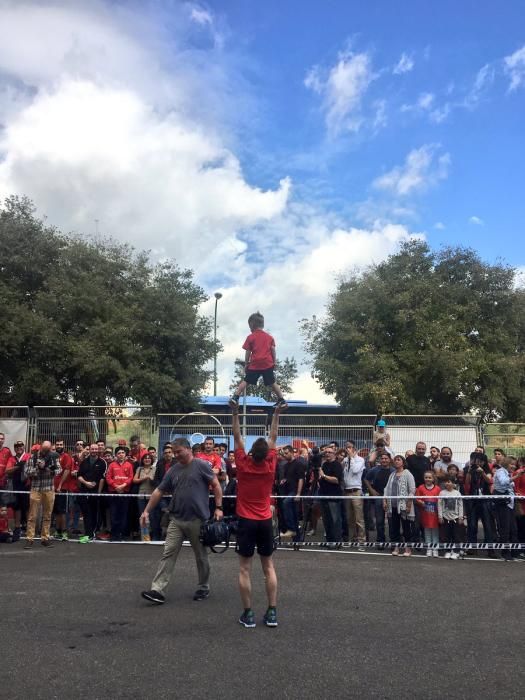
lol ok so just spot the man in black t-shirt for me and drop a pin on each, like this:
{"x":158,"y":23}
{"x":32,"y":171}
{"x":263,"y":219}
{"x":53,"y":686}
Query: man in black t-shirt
{"x":375,"y":481}
{"x":291,"y":486}
{"x":419,"y":463}
{"x":331,"y":484}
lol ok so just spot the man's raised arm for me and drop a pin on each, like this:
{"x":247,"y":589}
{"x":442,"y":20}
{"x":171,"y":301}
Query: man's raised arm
{"x":274,"y":428}
{"x":237,"y":438}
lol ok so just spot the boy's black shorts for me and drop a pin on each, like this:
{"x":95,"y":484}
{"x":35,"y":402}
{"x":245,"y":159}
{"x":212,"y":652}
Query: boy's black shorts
{"x":252,"y":533}
{"x":252,"y":376}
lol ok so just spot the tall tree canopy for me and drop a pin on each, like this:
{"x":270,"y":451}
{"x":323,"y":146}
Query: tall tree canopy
{"x":425,"y":332}
{"x":90,"y":321}
{"x":285,"y":375}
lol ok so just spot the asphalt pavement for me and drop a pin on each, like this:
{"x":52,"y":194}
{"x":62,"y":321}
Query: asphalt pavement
{"x":73,"y":625}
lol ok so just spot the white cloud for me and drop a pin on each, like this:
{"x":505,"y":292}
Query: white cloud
{"x":102,"y":120}
{"x":297,"y":287}
{"x":515,"y":68}
{"x":425,"y":100}
{"x":422,"y":169}
{"x":342,"y":88}
{"x":439,"y":225}
{"x":201,"y":16}
{"x":404,"y":65}
{"x":476,"y":221}
{"x":519,"y":280}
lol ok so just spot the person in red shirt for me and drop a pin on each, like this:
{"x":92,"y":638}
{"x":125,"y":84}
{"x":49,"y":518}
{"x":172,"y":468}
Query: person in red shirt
{"x":255,"y":479}
{"x":118,"y":478}
{"x":61,"y":496}
{"x":428,"y":510}
{"x":5,"y":533}
{"x":259,"y":361}
{"x":5,"y":459}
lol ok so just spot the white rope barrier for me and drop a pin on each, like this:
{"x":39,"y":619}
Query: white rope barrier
{"x":310,"y":497}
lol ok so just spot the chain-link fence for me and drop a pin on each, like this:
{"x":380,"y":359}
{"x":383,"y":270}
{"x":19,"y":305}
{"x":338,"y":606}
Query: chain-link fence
{"x":92,"y":423}
{"x":507,"y":436}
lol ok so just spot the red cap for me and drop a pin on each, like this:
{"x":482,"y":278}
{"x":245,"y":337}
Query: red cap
{"x":35,"y":448}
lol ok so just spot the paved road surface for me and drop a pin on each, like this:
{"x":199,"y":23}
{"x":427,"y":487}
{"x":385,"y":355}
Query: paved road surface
{"x":350,"y":625}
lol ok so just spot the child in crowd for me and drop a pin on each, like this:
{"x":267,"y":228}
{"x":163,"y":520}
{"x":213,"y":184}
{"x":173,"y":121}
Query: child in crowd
{"x":5,"y":533}
{"x":428,"y":514}
{"x":380,"y":433}
{"x":259,"y":361}
{"x":450,"y":514}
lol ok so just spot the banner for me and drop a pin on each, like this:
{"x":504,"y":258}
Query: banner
{"x":14,"y":429}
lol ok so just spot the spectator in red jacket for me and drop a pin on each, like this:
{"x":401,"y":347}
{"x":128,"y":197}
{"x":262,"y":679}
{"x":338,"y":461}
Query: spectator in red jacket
{"x":16,"y":476}
{"x":61,"y":496}
{"x":119,"y":477}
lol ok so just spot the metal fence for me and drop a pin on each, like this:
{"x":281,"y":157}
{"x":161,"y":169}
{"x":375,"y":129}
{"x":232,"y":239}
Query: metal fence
{"x":91,"y":423}
{"x":197,"y":426}
{"x":111,"y":423}
{"x":460,"y":433}
{"x":507,"y":436}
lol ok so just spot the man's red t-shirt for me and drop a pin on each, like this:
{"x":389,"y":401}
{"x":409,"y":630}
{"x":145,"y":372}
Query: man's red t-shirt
{"x":260,"y":344}
{"x":428,"y":514}
{"x":212,"y":458}
{"x":4,"y":524}
{"x":67,"y":465}
{"x":254,"y":485}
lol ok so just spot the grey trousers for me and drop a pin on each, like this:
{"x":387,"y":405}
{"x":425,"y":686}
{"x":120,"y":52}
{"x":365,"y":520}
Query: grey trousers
{"x":178,"y":531}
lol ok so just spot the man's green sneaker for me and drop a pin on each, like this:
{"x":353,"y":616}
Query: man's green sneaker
{"x":270,"y":617}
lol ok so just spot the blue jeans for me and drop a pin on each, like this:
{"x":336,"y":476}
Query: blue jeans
{"x":331,"y":511}
{"x":291,"y":520}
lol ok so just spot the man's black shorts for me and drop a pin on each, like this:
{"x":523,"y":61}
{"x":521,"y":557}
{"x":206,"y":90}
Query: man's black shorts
{"x":252,"y":376}
{"x":60,"y":504}
{"x":252,"y":533}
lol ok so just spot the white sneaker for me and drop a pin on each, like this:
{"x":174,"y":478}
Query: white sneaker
{"x":310,"y":533}
{"x":454,"y":555}
{"x":435,"y":553}
{"x":448,"y":555}
{"x":429,"y":552}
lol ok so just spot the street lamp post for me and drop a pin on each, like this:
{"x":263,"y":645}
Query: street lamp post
{"x":217,"y":295}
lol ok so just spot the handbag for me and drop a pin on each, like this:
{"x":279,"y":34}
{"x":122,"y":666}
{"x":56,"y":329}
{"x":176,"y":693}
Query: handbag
{"x":213,"y":533}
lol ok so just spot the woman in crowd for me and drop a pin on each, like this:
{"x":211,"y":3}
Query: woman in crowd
{"x":144,"y":478}
{"x":397,"y":504}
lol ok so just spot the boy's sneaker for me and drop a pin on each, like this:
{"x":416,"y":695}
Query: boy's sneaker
{"x":84,"y":539}
{"x":234,"y":401}
{"x":454,"y":555}
{"x":154,"y":597}
{"x":281,"y":404}
{"x":448,"y":555}
{"x":270,"y":617}
{"x":247,"y":619}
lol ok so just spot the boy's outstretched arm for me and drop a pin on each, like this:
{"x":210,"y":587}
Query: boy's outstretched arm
{"x":274,"y":428}
{"x":237,"y":437}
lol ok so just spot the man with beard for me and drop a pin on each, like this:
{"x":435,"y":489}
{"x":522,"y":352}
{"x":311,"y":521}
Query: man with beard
{"x":43,"y":466}
{"x":61,"y":496}
{"x":90,"y":481}
{"x":442,"y":464}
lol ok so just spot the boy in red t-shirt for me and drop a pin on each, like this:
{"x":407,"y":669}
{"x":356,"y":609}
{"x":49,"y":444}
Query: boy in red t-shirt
{"x":428,"y":513}
{"x":5,"y":533}
{"x":259,"y":361}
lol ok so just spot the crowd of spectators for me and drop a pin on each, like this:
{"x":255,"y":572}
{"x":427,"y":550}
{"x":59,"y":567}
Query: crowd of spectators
{"x":416,"y":496}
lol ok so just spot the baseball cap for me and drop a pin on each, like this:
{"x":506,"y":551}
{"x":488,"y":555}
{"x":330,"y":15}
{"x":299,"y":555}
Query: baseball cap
{"x":381,"y":423}
{"x":19,"y":443}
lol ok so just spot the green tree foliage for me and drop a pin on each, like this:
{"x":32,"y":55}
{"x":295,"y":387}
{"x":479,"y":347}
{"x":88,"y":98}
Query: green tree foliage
{"x":425,"y":332}
{"x":285,"y":375}
{"x":92,"y":321}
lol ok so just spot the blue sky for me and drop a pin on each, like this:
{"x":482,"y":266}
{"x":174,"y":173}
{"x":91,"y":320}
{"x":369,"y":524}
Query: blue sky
{"x":449,"y":43}
{"x":272,"y":147}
